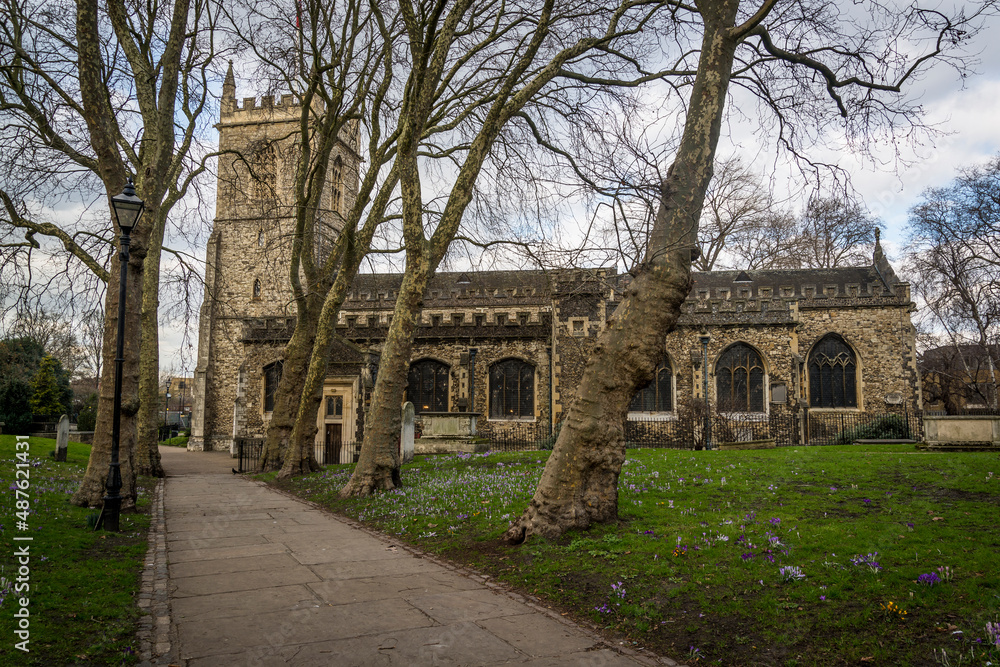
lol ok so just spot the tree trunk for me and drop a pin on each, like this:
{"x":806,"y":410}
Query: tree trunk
{"x":580,"y":483}
{"x":378,"y":467}
{"x":300,"y":458}
{"x":147,"y":451}
{"x":288,"y":395}
{"x":93,"y":486}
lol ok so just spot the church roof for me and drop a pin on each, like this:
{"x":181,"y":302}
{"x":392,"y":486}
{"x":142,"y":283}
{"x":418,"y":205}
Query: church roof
{"x":535,"y":287}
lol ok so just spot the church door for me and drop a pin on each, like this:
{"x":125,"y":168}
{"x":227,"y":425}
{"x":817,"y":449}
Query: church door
{"x":331,"y":453}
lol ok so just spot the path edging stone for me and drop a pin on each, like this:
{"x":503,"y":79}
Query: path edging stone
{"x":156,"y":642}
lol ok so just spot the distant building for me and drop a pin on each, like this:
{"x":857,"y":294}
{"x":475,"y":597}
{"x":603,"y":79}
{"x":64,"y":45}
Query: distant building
{"x":181,"y":395}
{"x":959,"y":379}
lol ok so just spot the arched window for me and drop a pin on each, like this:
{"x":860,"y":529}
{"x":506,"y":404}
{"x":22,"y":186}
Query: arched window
{"x":512,"y":390}
{"x":427,"y":386}
{"x":272,"y":376}
{"x":658,"y":394}
{"x":832,"y":374}
{"x":739,"y":380}
{"x":337,"y":185}
{"x":256,"y":289}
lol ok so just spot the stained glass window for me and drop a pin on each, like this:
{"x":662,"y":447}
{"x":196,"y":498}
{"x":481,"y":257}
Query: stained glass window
{"x":427,"y":386}
{"x":512,"y":390}
{"x":832,"y":374}
{"x":657,"y":395}
{"x":739,"y":380}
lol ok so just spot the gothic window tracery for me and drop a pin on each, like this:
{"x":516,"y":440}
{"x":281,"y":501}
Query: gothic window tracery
{"x":739,"y":380}
{"x":512,"y":390}
{"x":832,"y":374}
{"x":658,"y":394}
{"x":427,"y":386}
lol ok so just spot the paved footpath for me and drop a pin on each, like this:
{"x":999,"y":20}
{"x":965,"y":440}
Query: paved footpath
{"x":254,"y":577}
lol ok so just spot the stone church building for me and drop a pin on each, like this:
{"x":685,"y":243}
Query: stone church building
{"x":500,"y":351}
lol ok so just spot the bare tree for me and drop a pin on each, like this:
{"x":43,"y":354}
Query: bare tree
{"x":475,"y":68}
{"x":835,"y":231}
{"x":955,"y":252}
{"x":809,"y":66}
{"x":773,"y":243}
{"x":736,"y":206}
{"x":93,"y":94}
{"x":337,"y":60}
{"x":54,"y":334}
{"x":91,"y":338}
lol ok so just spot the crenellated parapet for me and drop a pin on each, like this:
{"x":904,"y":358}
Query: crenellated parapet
{"x":704,"y":312}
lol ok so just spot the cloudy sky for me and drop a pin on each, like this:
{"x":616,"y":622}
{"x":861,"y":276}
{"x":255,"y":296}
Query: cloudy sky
{"x":965,"y":112}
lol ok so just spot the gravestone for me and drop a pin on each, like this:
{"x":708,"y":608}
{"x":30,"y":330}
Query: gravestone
{"x":62,"y":438}
{"x":407,"y":434}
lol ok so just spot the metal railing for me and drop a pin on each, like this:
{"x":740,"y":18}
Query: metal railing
{"x":845,"y":428}
{"x":519,"y":436}
{"x":333,"y":453}
{"x":787,"y":427}
{"x":248,"y":451}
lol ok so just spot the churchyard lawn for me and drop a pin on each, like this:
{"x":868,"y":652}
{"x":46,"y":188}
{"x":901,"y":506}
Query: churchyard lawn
{"x":81,"y":586}
{"x":800,"y":556}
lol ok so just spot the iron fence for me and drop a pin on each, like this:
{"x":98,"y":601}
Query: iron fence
{"x":844,"y":428}
{"x":248,"y":451}
{"x":520,"y":436}
{"x":654,"y":433}
{"x":787,"y":427}
{"x":332,"y":453}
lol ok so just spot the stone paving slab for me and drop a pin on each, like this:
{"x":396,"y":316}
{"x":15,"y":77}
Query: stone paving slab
{"x":537,"y":636}
{"x":405,"y":587}
{"x":242,"y":603}
{"x":260,"y":578}
{"x":199,"y":568}
{"x":214,"y":553}
{"x":241,"y":581}
{"x":472,"y":605}
{"x":300,"y":626}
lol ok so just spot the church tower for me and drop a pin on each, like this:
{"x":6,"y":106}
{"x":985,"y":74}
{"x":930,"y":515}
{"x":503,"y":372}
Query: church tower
{"x":248,"y":254}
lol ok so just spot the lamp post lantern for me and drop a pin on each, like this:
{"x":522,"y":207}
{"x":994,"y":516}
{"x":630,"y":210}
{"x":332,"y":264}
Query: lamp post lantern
{"x":128,"y":208}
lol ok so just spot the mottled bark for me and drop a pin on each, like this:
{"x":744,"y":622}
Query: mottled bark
{"x":93,"y":486}
{"x":288,"y":395}
{"x":156,"y":165}
{"x":299,"y":458}
{"x":580,"y":483}
{"x":378,"y":467}
{"x":147,"y":452}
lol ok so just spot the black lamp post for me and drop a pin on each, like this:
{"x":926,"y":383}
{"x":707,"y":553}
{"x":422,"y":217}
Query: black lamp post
{"x":704,"y":338}
{"x":128,"y":209}
{"x":166,"y":401}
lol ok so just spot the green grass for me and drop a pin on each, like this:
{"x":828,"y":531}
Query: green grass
{"x":179,"y":441}
{"x":675,"y":574}
{"x":83,"y":585}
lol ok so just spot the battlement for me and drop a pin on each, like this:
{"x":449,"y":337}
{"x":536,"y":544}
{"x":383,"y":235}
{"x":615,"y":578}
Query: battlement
{"x":256,"y":109}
